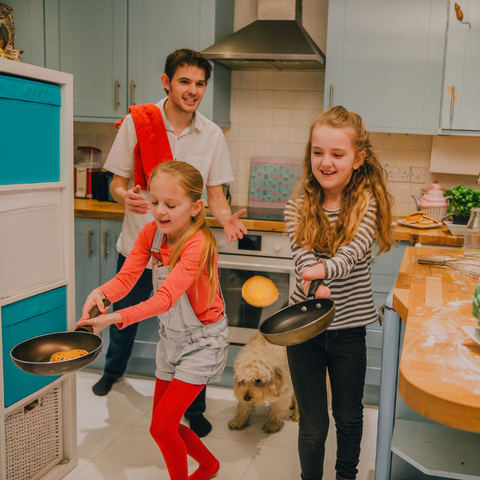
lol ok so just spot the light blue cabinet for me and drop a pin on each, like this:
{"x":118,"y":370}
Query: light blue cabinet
{"x":89,"y":40}
{"x":96,"y":263}
{"x":385,"y":62}
{"x":461,"y":93}
{"x":28,"y":19}
{"x":385,"y":269}
{"x":116,"y":50}
{"x":95,"y":256}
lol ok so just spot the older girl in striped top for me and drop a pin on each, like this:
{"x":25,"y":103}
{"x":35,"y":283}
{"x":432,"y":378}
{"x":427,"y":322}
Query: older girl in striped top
{"x":339,"y":207}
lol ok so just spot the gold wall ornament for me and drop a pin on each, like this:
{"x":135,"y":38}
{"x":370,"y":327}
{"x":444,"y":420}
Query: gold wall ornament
{"x":7,"y":34}
{"x":459,"y":13}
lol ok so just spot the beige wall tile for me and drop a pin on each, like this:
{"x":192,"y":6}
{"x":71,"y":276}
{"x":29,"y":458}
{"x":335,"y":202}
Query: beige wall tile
{"x":281,"y":116}
{"x":264,"y":116}
{"x":247,"y":98}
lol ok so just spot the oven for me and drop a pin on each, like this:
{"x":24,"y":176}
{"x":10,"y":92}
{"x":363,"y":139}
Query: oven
{"x":259,"y":253}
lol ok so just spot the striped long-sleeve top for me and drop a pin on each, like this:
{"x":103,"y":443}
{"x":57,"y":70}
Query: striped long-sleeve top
{"x":347,"y":273}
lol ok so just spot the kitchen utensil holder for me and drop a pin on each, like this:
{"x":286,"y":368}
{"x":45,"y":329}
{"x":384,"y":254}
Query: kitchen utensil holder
{"x":33,"y":437}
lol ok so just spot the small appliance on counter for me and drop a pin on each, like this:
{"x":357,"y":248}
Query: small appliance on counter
{"x":88,"y":160}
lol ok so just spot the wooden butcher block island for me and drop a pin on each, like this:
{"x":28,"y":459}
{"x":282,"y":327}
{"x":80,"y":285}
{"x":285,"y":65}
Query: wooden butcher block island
{"x":440,"y":365}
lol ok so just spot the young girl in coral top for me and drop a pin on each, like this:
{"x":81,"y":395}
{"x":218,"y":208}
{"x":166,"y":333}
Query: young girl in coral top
{"x":340,"y":206}
{"x":192,"y":350}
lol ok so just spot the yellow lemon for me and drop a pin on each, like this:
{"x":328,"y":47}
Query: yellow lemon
{"x":259,"y":291}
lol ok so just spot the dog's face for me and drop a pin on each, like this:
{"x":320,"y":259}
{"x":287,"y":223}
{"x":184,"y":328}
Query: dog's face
{"x":258,"y":384}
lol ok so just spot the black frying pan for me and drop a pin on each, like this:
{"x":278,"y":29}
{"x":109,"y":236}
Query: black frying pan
{"x":33,"y":356}
{"x":300,"y":322}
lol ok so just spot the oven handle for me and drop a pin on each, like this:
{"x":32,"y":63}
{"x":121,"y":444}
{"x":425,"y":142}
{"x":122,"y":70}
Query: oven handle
{"x":242,"y":265}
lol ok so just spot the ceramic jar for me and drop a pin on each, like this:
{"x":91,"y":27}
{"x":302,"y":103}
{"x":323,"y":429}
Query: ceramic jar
{"x":433,"y":203}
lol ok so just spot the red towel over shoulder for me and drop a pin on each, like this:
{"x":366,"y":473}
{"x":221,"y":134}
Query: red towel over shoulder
{"x":152,"y":146}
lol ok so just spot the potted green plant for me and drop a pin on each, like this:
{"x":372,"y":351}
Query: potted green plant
{"x":462,"y":200}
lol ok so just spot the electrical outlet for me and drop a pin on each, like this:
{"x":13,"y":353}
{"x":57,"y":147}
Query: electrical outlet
{"x":418,"y":175}
{"x":398,"y":174}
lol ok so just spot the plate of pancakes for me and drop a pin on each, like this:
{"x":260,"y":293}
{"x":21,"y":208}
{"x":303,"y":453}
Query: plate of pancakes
{"x":420,"y":220}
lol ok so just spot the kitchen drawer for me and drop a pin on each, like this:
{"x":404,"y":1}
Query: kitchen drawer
{"x":382,"y":283}
{"x":373,"y":376}
{"x":374,"y":357}
{"x":31,"y":240}
{"x":31,"y":153}
{"x":384,"y":263}
{"x":374,"y":338}
{"x":28,"y":318}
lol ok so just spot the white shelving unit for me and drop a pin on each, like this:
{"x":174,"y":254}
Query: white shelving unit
{"x":58,"y":396}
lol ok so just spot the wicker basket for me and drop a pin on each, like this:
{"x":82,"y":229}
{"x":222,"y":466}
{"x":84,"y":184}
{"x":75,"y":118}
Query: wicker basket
{"x":33,"y":437}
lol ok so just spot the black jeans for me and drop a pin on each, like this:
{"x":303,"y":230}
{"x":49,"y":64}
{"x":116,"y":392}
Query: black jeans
{"x":122,"y":341}
{"x":343,"y":352}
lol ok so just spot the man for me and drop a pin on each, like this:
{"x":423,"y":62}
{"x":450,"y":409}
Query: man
{"x":139,"y":144}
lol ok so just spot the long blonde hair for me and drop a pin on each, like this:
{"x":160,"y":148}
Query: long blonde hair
{"x":313,"y":230}
{"x":190,"y":180}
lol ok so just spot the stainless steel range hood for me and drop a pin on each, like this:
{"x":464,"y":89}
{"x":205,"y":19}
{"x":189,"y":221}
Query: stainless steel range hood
{"x":270,"y":44}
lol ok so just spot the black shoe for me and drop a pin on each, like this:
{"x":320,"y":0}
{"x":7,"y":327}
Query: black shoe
{"x":200,"y":425}
{"x":103,"y":386}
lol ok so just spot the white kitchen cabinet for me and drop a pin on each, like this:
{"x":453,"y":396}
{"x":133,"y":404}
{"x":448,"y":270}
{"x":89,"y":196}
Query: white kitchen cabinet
{"x":116,"y":50}
{"x":385,"y":62}
{"x":447,"y":149}
{"x":38,"y":435}
{"x":461,"y":95}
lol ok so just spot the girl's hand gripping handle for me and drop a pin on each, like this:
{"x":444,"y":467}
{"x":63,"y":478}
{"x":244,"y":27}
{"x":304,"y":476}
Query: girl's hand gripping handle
{"x":312,"y":290}
{"x":94,"y":312}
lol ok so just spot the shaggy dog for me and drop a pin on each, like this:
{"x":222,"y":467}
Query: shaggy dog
{"x":262,"y":375}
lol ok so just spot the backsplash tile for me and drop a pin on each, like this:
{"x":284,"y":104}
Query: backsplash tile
{"x":271,"y":113}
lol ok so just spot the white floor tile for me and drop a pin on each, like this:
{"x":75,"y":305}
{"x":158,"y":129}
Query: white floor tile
{"x":276,"y":463}
{"x":370,"y":416}
{"x":114,"y":441}
{"x":287,"y":437}
{"x":126,"y":403}
{"x":104,"y":470}
{"x":135,"y":447}
{"x":234,"y":457}
{"x":94,"y":436}
{"x":366,"y":469}
{"x":369,"y":442}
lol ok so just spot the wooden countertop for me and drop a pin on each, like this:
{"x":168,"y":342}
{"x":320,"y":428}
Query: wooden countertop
{"x":114,"y":211}
{"x":440,"y":365}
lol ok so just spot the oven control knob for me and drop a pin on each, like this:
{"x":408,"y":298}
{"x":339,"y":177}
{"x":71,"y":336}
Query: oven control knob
{"x":277,"y":247}
{"x":221,"y":243}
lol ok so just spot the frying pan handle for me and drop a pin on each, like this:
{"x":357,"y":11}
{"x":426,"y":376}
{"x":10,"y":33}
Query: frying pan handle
{"x":94,"y":312}
{"x":313,"y":287}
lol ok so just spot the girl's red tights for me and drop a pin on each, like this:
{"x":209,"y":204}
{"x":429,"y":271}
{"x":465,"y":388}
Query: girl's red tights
{"x":170,"y":401}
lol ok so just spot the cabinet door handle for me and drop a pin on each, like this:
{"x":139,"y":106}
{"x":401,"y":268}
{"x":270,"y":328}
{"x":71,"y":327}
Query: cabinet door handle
{"x":117,"y":103}
{"x":90,"y":251}
{"x":105,"y":253}
{"x":330,"y":104}
{"x":452,"y":100}
{"x":132,"y":92}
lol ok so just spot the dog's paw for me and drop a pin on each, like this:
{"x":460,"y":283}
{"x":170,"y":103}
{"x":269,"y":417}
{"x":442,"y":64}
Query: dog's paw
{"x":294,"y":416}
{"x":272,"y":427}
{"x":237,"y":424}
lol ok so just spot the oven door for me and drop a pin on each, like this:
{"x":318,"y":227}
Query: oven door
{"x":235,"y":270}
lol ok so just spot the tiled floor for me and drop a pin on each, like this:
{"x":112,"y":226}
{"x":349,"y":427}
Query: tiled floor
{"x":114,"y":442}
